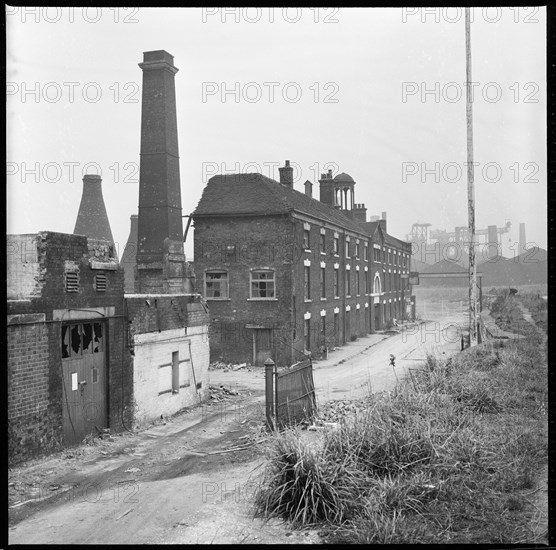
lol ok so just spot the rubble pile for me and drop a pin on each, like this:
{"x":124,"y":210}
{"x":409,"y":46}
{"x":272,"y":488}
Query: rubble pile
{"x":221,"y":393}
{"x":226,"y":367}
{"x":335,"y":411}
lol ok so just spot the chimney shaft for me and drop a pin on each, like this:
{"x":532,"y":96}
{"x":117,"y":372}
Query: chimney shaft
{"x":384,"y":215}
{"x":92,"y":219}
{"x":309,"y":189}
{"x":286,"y":175}
{"x":160,"y":255}
{"x":522,"y":241}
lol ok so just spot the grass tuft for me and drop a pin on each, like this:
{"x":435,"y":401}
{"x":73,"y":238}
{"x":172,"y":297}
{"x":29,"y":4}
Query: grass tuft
{"x":445,"y":458}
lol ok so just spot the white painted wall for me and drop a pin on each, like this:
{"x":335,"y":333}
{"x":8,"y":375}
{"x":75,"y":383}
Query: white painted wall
{"x":155,"y":349}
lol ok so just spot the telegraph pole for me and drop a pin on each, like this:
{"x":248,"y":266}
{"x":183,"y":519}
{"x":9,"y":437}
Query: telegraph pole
{"x":470,"y":190}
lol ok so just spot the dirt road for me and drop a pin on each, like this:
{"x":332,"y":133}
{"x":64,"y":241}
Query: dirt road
{"x":190,"y":479}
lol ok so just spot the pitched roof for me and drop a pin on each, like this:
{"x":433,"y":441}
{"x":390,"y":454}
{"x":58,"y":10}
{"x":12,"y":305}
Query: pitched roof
{"x":255,"y":194}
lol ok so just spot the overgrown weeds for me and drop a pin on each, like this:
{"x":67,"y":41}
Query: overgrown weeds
{"x":444,"y":458}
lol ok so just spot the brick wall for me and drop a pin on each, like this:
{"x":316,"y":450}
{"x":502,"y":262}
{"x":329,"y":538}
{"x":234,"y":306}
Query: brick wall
{"x":359,"y":324}
{"x":257,"y":242}
{"x":34,"y":421}
{"x":35,"y":391}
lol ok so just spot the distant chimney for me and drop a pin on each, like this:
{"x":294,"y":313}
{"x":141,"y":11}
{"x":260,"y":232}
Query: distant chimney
{"x":129,"y":257}
{"x":375,"y":218}
{"x":309,"y":189}
{"x":522,"y":241}
{"x":92,"y":219}
{"x":286,"y":175}
{"x":383,"y":217}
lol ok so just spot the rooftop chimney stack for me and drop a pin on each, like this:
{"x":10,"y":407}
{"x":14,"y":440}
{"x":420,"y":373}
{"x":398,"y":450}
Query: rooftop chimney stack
{"x":92,"y":219}
{"x":309,"y":189}
{"x":286,"y":175}
{"x":383,"y":217}
{"x":161,"y":264}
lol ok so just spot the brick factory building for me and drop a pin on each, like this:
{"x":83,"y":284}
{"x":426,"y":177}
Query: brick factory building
{"x":68,"y":368}
{"x":285,"y":274}
{"x":83,"y":353}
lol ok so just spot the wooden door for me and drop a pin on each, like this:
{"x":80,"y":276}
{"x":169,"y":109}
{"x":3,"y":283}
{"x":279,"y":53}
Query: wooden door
{"x":83,"y":365}
{"x":263,"y":346}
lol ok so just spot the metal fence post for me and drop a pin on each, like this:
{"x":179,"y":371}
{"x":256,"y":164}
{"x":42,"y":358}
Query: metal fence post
{"x":269,"y":373}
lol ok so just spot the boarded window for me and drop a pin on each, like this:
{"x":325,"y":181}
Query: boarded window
{"x":175,"y":371}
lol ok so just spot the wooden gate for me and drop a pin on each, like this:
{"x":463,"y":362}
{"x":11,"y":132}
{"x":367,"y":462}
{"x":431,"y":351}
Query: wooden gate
{"x":84,"y":371}
{"x":293,"y":399}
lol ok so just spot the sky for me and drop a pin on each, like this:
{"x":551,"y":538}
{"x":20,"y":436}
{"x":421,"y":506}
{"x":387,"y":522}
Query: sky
{"x":378,"y":93}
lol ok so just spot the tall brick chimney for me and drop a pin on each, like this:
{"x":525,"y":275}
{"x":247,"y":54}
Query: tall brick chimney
{"x":129,"y":257}
{"x":309,"y":189}
{"x":286,"y":175}
{"x":160,"y":254}
{"x":92,"y":219}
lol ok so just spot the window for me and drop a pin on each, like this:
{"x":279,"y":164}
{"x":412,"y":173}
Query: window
{"x":366,"y":252}
{"x":323,"y":329}
{"x":358,"y":281}
{"x":348,"y":283}
{"x":262,"y":284}
{"x":306,"y":239}
{"x":322,"y":282}
{"x":356,"y":249}
{"x":367,"y":286}
{"x":307,"y":334}
{"x":376,"y":254}
{"x":389,"y":257}
{"x":376,"y":285}
{"x":216,"y":284}
{"x":322,"y":243}
{"x":336,"y":283}
{"x":336,"y":246}
{"x":81,"y":339}
{"x":347,"y":247}
{"x":307,"y":283}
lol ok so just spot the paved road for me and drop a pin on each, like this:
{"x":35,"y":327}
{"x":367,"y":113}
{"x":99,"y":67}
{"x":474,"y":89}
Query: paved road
{"x":371,"y":369}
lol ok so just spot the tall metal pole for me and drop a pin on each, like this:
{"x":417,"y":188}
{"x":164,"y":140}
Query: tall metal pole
{"x":470,"y":189}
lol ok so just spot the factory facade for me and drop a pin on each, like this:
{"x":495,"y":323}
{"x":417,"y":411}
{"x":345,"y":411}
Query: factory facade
{"x":286,"y":275}
{"x":92,"y":343}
